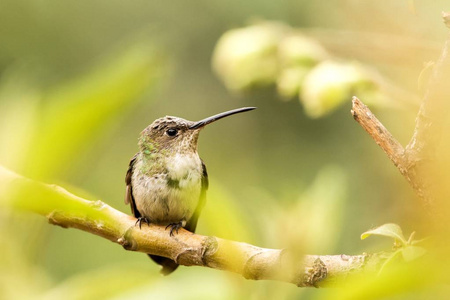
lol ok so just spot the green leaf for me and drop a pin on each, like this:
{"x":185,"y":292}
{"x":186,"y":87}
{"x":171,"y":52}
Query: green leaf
{"x":390,"y":230}
{"x":318,"y":208}
{"x":389,"y":261}
{"x":77,"y":112}
{"x":412,"y":252}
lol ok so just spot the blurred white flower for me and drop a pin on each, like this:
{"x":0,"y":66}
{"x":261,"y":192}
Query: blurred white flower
{"x":247,"y":57}
{"x":299,"y":50}
{"x":331,"y":83}
{"x":290,"y":81}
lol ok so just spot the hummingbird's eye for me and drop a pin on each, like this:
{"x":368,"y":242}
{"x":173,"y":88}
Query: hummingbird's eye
{"x":171,"y":132}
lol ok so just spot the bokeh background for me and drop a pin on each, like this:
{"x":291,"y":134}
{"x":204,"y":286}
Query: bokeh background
{"x":79,"y":80}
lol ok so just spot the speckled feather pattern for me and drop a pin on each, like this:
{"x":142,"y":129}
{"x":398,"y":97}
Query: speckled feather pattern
{"x":171,"y":196}
{"x":166,"y":177}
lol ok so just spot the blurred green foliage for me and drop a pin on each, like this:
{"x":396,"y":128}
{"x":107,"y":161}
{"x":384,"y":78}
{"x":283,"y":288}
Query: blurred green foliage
{"x":80,"y":80}
{"x":272,"y":53}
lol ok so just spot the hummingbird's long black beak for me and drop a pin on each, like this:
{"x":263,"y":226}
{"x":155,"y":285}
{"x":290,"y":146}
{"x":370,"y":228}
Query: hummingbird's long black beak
{"x":214,"y":118}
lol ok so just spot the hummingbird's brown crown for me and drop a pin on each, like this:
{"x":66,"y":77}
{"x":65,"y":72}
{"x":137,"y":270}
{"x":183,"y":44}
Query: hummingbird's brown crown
{"x":169,"y":121}
{"x":170,"y":134}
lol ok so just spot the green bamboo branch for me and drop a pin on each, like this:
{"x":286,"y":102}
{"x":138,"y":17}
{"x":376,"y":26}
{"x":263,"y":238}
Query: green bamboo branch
{"x":62,"y":208}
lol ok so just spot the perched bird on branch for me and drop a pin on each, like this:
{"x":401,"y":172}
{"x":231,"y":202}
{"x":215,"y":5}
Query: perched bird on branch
{"x":166,"y":180}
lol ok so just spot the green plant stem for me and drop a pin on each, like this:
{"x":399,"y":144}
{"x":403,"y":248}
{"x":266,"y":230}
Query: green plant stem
{"x":68,"y":210}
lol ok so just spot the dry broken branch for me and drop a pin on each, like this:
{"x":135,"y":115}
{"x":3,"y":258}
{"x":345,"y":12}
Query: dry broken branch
{"x":393,"y":149}
{"x":417,"y":162}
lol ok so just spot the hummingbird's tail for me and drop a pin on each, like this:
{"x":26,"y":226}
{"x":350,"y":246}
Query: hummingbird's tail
{"x":168,"y":265}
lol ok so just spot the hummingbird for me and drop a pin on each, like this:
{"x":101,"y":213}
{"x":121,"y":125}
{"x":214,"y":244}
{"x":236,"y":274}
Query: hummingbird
{"x":166,"y":181}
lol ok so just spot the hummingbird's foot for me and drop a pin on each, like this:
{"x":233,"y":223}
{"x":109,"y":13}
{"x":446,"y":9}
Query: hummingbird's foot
{"x":140,"y":220}
{"x":174,"y":227}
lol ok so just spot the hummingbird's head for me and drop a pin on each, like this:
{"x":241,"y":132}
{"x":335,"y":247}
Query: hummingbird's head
{"x":169,"y":134}
{"x":177,"y":135}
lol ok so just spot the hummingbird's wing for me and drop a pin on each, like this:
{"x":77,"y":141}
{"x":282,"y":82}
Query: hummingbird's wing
{"x":168,"y":265}
{"x":192,"y":222}
{"x":129,"y":199}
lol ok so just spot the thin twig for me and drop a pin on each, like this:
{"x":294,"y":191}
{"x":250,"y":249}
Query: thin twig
{"x":393,"y":149}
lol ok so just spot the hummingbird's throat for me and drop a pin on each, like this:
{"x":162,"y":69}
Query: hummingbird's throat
{"x":147,"y":145}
